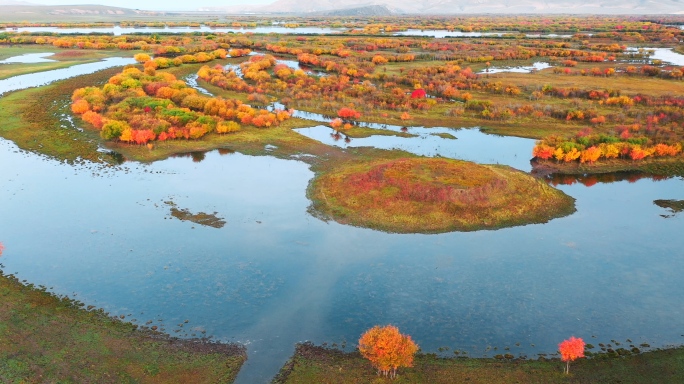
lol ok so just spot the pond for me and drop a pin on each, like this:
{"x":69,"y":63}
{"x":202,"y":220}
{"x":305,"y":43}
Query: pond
{"x":274,"y":275}
{"x":536,"y":66}
{"x":29,"y":58}
{"x":664,"y":54}
{"x":46,"y":77}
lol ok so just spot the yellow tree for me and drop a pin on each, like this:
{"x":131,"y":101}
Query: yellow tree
{"x":387,"y":349}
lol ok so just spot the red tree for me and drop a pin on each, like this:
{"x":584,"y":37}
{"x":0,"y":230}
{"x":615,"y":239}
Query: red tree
{"x":418,"y":94}
{"x":570,"y":350}
{"x":348,"y":113}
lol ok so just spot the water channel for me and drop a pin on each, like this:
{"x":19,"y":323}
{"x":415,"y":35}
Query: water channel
{"x":118,"y":31}
{"x":274,"y":275}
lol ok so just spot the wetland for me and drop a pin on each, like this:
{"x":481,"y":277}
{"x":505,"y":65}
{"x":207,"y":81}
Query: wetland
{"x":229,"y":232}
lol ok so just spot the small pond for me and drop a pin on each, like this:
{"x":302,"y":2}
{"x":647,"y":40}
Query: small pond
{"x":664,"y":54}
{"x":46,"y":77}
{"x":29,"y":58}
{"x":537,"y":66}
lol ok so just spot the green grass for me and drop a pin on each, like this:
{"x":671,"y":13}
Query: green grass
{"x":361,"y":132}
{"x":31,"y":118}
{"x":17,"y":50}
{"x":48,"y":339}
{"x":311,"y":364}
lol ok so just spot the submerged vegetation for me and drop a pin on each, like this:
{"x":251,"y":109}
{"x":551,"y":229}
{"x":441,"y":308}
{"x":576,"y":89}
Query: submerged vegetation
{"x":674,"y":206}
{"x":201,"y":218}
{"x":435,"y":195}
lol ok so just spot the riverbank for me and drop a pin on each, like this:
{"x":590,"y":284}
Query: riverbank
{"x":314,"y":364}
{"x":663,"y":166}
{"x":47,"y":338}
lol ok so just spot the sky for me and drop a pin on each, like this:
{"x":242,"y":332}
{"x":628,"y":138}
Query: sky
{"x":155,"y":4}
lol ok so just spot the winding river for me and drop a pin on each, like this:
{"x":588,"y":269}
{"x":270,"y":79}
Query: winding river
{"x":274,"y":275}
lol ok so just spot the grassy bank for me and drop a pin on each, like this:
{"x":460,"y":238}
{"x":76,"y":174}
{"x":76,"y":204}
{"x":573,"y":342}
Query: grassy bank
{"x":312,"y":364}
{"x":62,"y":58}
{"x":47,"y":339}
{"x":33,"y":119}
{"x":434,"y":195}
{"x":665,"y":166}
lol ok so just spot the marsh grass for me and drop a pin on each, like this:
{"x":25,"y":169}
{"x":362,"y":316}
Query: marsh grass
{"x":48,"y":339}
{"x":63,"y":58}
{"x":312,"y":364}
{"x":32,"y":119}
{"x":435,"y":195}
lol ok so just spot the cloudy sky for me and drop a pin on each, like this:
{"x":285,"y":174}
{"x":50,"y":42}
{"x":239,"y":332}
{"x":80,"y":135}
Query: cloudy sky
{"x":155,"y":4}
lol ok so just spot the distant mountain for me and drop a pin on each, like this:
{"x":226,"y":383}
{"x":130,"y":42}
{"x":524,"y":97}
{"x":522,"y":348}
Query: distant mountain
{"x":34,"y":12}
{"x":369,"y":10}
{"x":15,"y":2}
{"x":440,"y":7}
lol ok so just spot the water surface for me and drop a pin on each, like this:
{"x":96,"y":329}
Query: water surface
{"x":29,"y":58}
{"x":46,"y":77}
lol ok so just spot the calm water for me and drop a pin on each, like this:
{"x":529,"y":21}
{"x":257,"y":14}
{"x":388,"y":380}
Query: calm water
{"x":274,"y":275}
{"x":29,"y":58}
{"x":117,"y":31}
{"x":665,"y":54}
{"x":536,"y":66}
{"x":46,"y":77}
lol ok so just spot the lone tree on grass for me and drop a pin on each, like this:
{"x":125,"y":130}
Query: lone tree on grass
{"x":570,"y":350}
{"x":387,"y":349}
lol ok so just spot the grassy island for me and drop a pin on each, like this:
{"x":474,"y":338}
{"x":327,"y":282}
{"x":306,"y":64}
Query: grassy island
{"x":430,"y":195}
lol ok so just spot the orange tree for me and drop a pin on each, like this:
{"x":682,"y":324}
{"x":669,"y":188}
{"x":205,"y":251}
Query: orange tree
{"x":570,"y":350}
{"x":387,"y":349}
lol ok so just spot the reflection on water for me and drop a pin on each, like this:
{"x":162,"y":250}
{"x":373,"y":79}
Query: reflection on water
{"x":29,"y":58}
{"x":557,"y":179}
{"x":664,"y":54}
{"x":537,"y":66}
{"x":47,"y":77}
{"x":673,"y":206}
{"x":472,"y":145}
